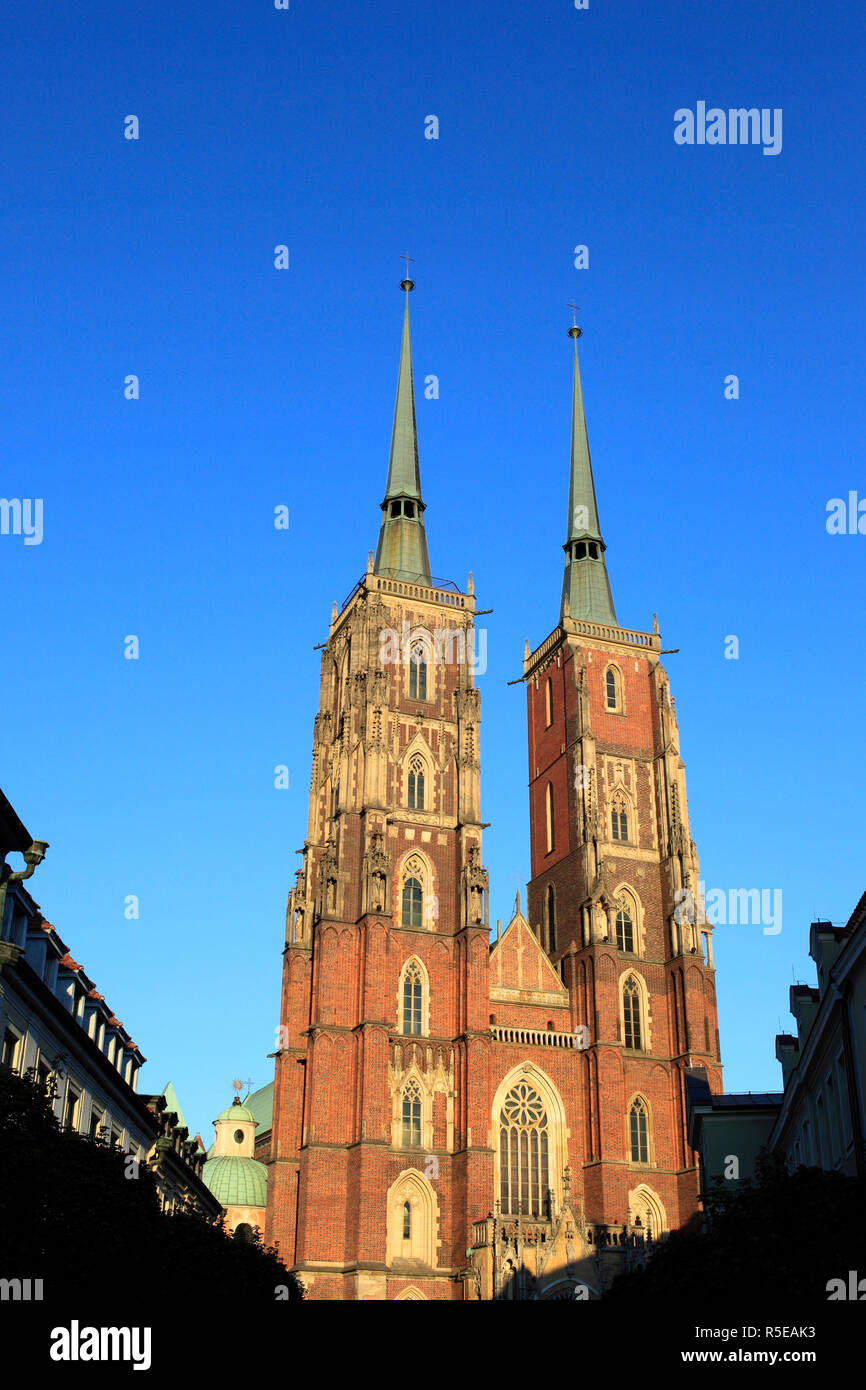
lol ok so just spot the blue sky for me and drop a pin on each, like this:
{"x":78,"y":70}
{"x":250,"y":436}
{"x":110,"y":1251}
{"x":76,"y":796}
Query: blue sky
{"x":261,"y":387}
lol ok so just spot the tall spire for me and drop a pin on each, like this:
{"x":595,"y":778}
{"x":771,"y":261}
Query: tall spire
{"x":402,"y":549}
{"x":585,"y":586}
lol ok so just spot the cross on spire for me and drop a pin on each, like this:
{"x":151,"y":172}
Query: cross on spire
{"x":407,"y":284}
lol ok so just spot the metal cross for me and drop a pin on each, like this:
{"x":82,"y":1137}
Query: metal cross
{"x":407,"y":258}
{"x":574,"y":308}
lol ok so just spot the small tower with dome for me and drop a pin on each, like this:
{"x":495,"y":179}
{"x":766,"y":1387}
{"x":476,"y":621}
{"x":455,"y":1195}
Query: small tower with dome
{"x":237,"y":1180}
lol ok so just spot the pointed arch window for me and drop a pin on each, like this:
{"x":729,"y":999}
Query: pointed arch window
{"x":645,"y":1209}
{"x":638,"y":1131}
{"x":632,"y":1023}
{"x":549,"y":815}
{"x":407,"y":1221}
{"x":412,"y":1115}
{"x":413,"y":1000}
{"x":418,"y":672}
{"x":416,"y":783}
{"x":619,"y":820}
{"x":413,"y":903}
{"x":613,"y":689}
{"x":551,"y":918}
{"x":624,"y":931}
{"x":548,"y":696}
{"x":523,"y":1152}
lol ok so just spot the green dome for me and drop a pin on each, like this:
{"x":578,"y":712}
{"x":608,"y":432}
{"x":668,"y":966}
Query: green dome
{"x":237,"y":1182}
{"x":235,"y":1112}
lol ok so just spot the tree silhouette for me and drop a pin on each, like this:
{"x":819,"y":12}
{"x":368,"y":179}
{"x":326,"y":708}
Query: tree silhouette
{"x":776,"y":1238}
{"x":78,"y":1214}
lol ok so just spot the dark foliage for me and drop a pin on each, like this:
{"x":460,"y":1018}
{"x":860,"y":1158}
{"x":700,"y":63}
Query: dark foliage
{"x":70,"y":1215}
{"x":776,"y":1239}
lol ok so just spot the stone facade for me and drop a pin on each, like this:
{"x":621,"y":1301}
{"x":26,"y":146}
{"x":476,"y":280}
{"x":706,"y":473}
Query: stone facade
{"x":57,"y":1028}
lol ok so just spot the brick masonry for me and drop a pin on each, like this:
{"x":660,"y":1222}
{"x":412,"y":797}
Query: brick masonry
{"x":337,"y":1159}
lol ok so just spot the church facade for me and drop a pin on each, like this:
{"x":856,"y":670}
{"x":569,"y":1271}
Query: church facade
{"x":455,"y":1118}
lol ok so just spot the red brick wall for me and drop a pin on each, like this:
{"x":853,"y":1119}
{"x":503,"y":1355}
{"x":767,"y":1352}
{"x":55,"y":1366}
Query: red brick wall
{"x":332,"y":1163}
{"x":612,"y":1075}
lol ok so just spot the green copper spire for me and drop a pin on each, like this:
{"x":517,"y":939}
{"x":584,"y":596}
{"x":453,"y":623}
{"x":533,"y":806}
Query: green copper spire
{"x":585,"y":587}
{"x":402,"y":549}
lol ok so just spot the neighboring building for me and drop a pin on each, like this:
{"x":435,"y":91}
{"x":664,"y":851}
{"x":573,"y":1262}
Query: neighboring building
{"x":237,"y":1180}
{"x":15,"y":838}
{"x":56,"y":1026}
{"x":729,"y":1127}
{"x":822,"y":1119}
{"x":176,"y":1160}
{"x":433,"y":1091}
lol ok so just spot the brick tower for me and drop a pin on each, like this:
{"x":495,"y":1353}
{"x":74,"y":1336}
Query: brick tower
{"x":455,"y":1118}
{"x":613,"y":865}
{"x":379,"y":1152}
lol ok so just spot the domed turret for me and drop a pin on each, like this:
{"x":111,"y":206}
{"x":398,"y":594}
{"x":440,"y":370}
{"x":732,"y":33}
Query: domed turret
{"x":231,"y":1172}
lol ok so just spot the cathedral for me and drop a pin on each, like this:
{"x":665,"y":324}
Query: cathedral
{"x":455,"y":1116}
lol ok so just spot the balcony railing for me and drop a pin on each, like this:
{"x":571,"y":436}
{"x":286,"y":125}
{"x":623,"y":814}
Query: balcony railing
{"x":433,"y":591}
{"x":532,"y":1037}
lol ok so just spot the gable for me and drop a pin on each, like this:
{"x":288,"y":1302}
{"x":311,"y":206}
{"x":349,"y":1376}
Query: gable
{"x":520,"y":972}
{"x":419,"y":744}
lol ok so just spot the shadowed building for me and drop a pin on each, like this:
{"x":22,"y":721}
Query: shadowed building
{"x":819,"y":1121}
{"x":56,"y":1027}
{"x":822,"y":1116}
